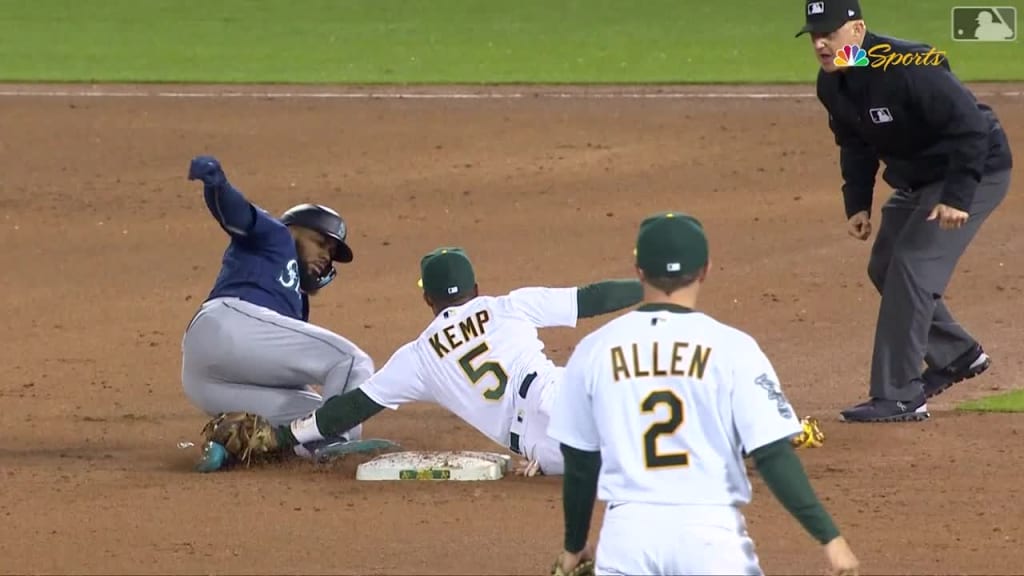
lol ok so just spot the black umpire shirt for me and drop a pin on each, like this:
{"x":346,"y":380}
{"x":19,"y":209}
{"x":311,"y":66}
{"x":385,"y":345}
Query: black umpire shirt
{"x":918,"y":119}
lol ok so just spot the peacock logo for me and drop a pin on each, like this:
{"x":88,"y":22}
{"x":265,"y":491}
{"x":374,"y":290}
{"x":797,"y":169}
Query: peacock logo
{"x":851,"y":56}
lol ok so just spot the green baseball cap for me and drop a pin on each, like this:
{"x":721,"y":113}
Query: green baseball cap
{"x":671,"y":244}
{"x":446,"y":272}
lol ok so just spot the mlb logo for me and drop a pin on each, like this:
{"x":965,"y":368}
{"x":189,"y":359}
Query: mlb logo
{"x":453,"y":290}
{"x":984,"y":23}
{"x":880,"y":115}
{"x":815,"y":8}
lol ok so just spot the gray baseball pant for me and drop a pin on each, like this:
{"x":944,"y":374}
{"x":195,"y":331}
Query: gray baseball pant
{"x":911,"y":263}
{"x":239,"y":357}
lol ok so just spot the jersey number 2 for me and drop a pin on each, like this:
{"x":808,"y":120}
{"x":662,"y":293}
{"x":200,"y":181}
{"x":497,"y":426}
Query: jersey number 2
{"x":477,"y":373}
{"x":676,"y":415}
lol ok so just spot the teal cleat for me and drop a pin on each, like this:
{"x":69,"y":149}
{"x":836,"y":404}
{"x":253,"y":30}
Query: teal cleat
{"x":214,"y":457}
{"x":343,"y":447}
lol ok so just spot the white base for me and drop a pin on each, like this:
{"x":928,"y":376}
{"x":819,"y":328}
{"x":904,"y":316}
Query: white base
{"x":462,"y":465}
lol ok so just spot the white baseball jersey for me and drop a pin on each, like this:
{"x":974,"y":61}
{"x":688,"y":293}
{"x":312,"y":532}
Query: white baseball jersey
{"x":472,"y":358}
{"x":672,"y":400}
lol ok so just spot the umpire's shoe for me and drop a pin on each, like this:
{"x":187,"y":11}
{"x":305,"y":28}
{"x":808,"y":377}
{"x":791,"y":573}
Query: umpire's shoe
{"x":881,"y":410}
{"x":968,"y":365}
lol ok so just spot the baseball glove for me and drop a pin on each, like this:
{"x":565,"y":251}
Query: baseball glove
{"x":242,"y":434}
{"x":585,"y":568}
{"x":811,"y":437}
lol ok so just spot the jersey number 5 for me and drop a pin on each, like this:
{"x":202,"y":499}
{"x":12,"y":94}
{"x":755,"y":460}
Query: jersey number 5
{"x":477,"y":373}
{"x":676,"y":415}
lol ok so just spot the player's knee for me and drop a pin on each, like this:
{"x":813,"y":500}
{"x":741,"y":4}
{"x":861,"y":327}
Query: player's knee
{"x":907,"y":263}
{"x":349,"y":373}
{"x":202,"y":396}
{"x":918,"y":270}
{"x":363,"y":362}
{"x":876,"y":270}
{"x":193,"y":389}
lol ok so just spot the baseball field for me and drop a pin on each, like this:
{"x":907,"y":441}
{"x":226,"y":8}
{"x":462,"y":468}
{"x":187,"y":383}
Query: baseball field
{"x":454,"y":122}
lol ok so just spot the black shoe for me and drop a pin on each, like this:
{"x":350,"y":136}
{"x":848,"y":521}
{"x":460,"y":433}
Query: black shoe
{"x":968,"y":365}
{"x":880,"y":410}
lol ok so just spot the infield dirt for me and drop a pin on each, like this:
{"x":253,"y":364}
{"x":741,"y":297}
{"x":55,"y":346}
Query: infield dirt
{"x":108,"y":250}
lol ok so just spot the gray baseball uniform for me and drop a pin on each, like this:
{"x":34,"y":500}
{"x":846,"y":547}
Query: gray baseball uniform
{"x":240,"y":357}
{"x":250,"y":347}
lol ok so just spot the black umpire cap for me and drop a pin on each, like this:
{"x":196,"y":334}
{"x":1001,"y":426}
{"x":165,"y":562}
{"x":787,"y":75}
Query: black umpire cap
{"x":826,"y":16}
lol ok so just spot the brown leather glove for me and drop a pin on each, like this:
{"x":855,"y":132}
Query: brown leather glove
{"x":242,"y":434}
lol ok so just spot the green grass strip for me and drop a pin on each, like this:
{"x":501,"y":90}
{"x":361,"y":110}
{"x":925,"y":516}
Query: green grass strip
{"x":449,"y":41}
{"x":1006,"y":402}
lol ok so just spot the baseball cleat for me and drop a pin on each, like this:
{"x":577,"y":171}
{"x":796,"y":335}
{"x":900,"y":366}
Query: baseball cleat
{"x":213,"y":458}
{"x":967,"y":366}
{"x":881,"y":410}
{"x":309,"y":450}
{"x":330,"y":450}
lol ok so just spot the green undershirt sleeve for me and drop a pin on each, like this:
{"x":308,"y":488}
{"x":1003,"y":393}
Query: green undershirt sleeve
{"x":337,"y":415}
{"x":782,"y":471}
{"x":579,"y":490}
{"x":607,"y":296}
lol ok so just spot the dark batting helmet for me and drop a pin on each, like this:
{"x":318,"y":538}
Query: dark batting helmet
{"x":327,"y":222}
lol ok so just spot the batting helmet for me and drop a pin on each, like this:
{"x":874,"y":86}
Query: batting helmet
{"x":327,"y":222}
{"x":323,"y":220}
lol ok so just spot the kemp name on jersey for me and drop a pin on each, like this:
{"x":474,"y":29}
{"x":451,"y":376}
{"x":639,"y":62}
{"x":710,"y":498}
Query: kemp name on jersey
{"x":472,"y":358}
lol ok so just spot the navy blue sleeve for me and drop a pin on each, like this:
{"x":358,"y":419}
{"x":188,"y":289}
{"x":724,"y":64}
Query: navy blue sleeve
{"x":858,"y":164}
{"x":235,"y":214}
{"x":950,"y":110}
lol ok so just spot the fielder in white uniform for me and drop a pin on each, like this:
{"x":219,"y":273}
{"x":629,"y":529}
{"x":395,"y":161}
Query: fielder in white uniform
{"x":655,"y":414}
{"x":480,"y":358}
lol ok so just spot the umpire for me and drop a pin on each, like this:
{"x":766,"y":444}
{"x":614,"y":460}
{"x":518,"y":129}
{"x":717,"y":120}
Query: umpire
{"x":948,"y":160}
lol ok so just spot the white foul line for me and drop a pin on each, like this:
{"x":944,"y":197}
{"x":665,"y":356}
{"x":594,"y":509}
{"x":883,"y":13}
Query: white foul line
{"x":497,"y":95}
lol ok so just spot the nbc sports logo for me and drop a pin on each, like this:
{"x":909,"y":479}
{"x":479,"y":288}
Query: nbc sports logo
{"x":851,"y":56}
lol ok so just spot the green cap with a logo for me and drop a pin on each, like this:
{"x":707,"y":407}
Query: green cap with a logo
{"x":446,"y":273}
{"x":671,"y":244}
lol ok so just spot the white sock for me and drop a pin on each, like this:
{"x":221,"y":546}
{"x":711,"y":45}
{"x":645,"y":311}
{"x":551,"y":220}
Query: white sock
{"x":305,"y":429}
{"x":355,"y":433}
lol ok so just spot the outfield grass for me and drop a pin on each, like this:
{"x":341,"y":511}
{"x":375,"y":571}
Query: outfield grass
{"x":1008,"y":402}
{"x":449,"y":41}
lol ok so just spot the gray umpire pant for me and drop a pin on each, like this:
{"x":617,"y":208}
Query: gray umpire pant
{"x":911,"y":264}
